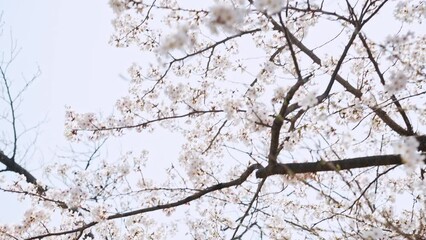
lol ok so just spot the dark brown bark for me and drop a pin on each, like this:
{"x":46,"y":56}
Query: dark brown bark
{"x":321,"y":166}
{"x":12,"y":166}
{"x":350,"y":163}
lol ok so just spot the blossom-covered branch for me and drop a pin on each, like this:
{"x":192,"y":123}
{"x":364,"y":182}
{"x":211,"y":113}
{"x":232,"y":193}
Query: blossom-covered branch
{"x":186,"y":200}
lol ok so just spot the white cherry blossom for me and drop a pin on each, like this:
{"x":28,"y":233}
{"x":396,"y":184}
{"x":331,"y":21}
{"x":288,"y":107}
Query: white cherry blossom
{"x":270,"y":6}
{"x":309,"y":100}
{"x":226,"y":17}
{"x":407,"y":148}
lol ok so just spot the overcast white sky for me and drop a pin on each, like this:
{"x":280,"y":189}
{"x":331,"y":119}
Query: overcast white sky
{"x":68,"y":41}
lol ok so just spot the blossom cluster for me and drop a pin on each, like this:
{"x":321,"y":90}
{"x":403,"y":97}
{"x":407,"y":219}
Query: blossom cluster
{"x":409,"y":11}
{"x":407,"y":148}
{"x":270,"y":6}
{"x":397,"y":82}
{"x":175,"y":40}
{"x":226,"y":17}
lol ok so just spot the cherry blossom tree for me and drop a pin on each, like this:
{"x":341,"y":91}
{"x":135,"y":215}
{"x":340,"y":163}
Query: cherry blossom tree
{"x":12,"y":91}
{"x":300,"y":120}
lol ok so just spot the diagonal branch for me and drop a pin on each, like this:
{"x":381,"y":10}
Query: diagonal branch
{"x":339,"y":63}
{"x":214,"y":138}
{"x":290,"y":47}
{"x":259,"y":187}
{"x":356,"y":92}
{"x":12,"y":166}
{"x":369,"y":185}
{"x":382,"y":81}
{"x":243,"y":177}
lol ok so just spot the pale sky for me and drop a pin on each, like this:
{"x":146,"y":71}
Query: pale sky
{"x":68,"y":41}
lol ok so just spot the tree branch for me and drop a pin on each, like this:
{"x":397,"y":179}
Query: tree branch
{"x":382,"y":81}
{"x":256,"y":194}
{"x":12,"y":166}
{"x":12,"y":111}
{"x":243,"y":177}
{"x":350,"y":163}
{"x":322,"y":166}
{"x":357,"y":93}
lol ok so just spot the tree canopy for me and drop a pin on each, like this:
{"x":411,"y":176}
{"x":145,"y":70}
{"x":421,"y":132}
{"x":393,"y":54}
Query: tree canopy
{"x":294,"y":120}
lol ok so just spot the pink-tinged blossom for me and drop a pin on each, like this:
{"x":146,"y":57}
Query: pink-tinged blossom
{"x":266,"y":74}
{"x":124,"y":105}
{"x":369,"y":99}
{"x":175,"y":92}
{"x":310,"y":100}
{"x":397,"y":82}
{"x":231,"y":107}
{"x":33,"y":217}
{"x":259,"y":113}
{"x":407,"y":148}
{"x":409,"y":11}
{"x":75,"y":197}
{"x":226,"y":17}
{"x":270,"y":6}
{"x":373,"y":234}
{"x":176,"y":40}
{"x":135,"y":72}
{"x":118,"y":6}
{"x":99,"y":213}
{"x":293,"y":139}
{"x":279,"y":94}
{"x":215,"y":76}
{"x":401,"y":39}
{"x":129,"y":31}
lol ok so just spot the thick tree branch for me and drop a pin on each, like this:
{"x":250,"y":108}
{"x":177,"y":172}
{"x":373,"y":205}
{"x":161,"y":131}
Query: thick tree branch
{"x":12,"y":166}
{"x":243,"y":177}
{"x":350,"y":163}
{"x":278,"y":123}
{"x":322,"y":166}
{"x":422,"y":143}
